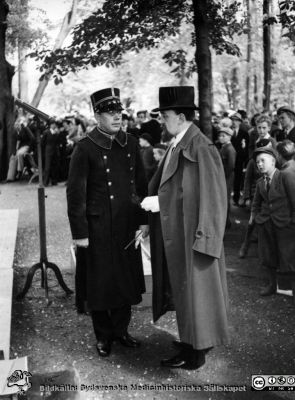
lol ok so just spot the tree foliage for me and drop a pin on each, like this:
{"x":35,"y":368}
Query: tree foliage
{"x":131,"y":25}
{"x":20,"y":30}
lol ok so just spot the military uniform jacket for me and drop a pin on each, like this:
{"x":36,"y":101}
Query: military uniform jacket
{"x":105,"y":186}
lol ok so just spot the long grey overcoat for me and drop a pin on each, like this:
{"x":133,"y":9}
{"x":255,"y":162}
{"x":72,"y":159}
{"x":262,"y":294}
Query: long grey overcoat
{"x":187,"y":241}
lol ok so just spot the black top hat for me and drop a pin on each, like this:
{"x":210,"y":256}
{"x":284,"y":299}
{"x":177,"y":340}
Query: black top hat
{"x":285,"y":109}
{"x":106,"y":99}
{"x":174,"y":97}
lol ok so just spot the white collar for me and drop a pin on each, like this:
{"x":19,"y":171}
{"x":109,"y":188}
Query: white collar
{"x":179,"y":136}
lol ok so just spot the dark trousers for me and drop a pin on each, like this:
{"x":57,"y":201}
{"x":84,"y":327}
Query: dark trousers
{"x":113,"y":323}
{"x":238,"y":178}
{"x":277,"y":250}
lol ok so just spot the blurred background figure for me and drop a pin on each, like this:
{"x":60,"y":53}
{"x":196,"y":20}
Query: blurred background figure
{"x":149,"y":163}
{"x":228,"y":156}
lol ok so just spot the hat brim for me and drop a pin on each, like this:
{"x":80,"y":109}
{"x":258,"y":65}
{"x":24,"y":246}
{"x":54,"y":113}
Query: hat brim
{"x":263,"y":150}
{"x":285,"y":111}
{"x":175,"y":108}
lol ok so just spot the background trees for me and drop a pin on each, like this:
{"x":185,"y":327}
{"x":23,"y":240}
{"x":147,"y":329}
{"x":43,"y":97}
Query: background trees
{"x":237,"y":54}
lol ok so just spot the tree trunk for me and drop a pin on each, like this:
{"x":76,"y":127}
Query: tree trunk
{"x":266,"y":56}
{"x":23,"y":82}
{"x":7,"y":142}
{"x":203,"y":61}
{"x":235,"y":88}
{"x":67,"y":25}
{"x":249,"y":51}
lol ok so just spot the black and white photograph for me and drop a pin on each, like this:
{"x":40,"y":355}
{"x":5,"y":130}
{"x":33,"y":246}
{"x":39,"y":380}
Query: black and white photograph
{"x":147,"y":199}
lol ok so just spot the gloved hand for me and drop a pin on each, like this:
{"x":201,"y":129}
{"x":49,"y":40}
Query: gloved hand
{"x":151,"y":203}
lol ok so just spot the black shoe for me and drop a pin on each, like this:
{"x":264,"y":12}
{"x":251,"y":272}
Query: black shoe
{"x":128,"y":341}
{"x":177,"y":343}
{"x":184,"y":360}
{"x":104,"y":347}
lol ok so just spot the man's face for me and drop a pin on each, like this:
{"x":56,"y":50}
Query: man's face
{"x":172,"y":121}
{"x":263,"y":129}
{"x":265,"y":163}
{"x":236,"y":123}
{"x":141,"y":118}
{"x":285,"y":120}
{"x":110,"y":121}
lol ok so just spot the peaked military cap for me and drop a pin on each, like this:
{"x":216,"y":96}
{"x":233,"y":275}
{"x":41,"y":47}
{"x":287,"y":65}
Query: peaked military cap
{"x":106,"y":100}
{"x":175,"y":97}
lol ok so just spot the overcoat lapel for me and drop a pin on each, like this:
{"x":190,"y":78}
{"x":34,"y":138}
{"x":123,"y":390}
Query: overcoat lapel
{"x":174,"y":160}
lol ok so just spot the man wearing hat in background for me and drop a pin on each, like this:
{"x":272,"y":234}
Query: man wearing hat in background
{"x":153,"y":127}
{"x":105,"y":186}
{"x":228,"y":156}
{"x":273,"y":210}
{"x":286,"y":118}
{"x":187,"y":222}
{"x":240,"y":141}
{"x":149,"y":163}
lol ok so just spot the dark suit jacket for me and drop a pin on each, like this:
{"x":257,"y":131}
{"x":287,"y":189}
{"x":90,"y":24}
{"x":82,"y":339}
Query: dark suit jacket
{"x":279,"y":203}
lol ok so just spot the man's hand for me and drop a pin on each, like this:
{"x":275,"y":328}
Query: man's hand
{"x":151,"y":203}
{"x":81,"y":242}
{"x":145,"y":229}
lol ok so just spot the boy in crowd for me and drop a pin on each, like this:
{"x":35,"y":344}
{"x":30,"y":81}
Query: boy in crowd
{"x":264,"y":124}
{"x":273,"y":210}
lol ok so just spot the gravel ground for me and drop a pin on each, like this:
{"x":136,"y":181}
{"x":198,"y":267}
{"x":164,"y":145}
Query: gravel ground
{"x":55,"y":338}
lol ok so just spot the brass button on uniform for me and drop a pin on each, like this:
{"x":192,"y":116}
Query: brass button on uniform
{"x":128,"y":155}
{"x":110,"y":183}
{"x":111,"y":197}
{"x":131,"y":168}
{"x":107,"y":170}
{"x":105,"y":157}
{"x":132,"y":181}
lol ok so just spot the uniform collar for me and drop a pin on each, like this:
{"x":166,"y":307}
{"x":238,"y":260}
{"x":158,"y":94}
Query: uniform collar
{"x":102,"y":139}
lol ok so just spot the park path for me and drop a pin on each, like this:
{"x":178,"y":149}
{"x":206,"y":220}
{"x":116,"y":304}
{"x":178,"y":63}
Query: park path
{"x":56,"y":338}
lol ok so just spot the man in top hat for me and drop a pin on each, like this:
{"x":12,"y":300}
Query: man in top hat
{"x":105,"y":186}
{"x":273,"y":210}
{"x":286,"y":117}
{"x":187,"y":200}
{"x":240,"y":141}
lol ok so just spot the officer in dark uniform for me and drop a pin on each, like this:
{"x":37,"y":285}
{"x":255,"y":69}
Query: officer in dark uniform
{"x":105,"y":187}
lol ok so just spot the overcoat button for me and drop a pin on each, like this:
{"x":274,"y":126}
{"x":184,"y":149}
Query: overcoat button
{"x":199,"y":234}
{"x":128,"y":155}
{"x":110,"y":183}
{"x":108,"y":170}
{"x":111,"y":197}
{"x":105,"y":157}
{"x":131,"y":168}
{"x":131,"y":181}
